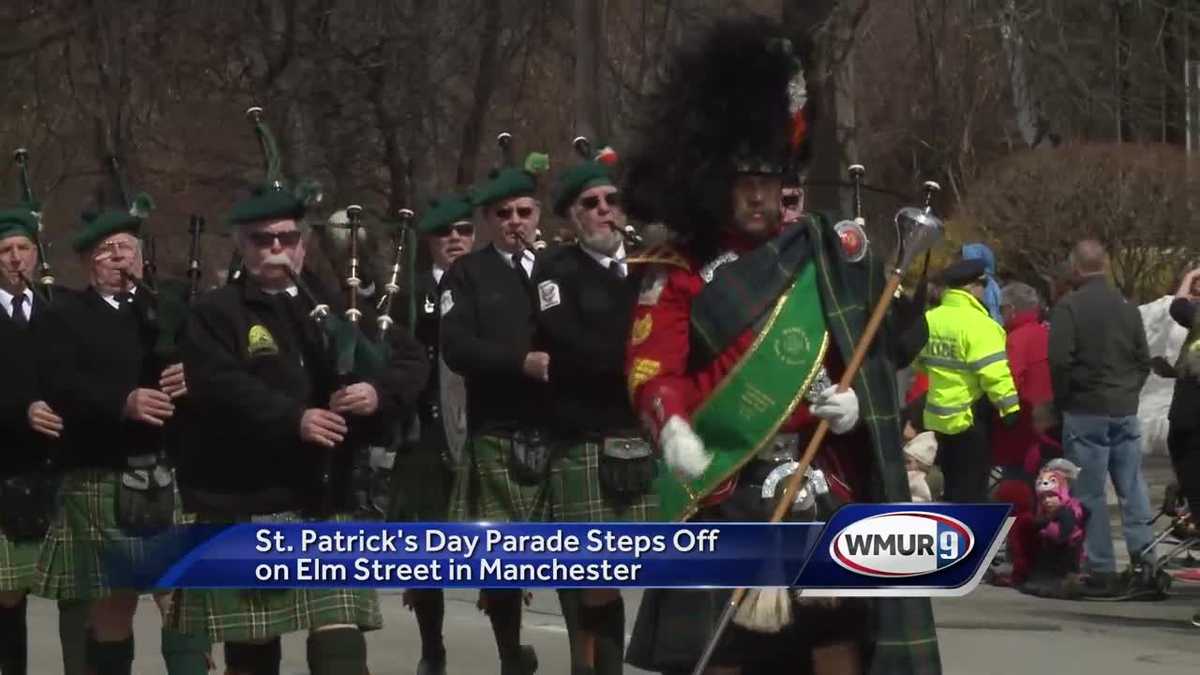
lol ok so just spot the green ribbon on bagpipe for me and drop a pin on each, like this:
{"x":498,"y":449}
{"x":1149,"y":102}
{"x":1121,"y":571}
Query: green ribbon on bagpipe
{"x":353,"y":353}
{"x":746,"y":409}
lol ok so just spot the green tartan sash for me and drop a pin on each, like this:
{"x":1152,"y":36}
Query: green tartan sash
{"x":757,"y":396}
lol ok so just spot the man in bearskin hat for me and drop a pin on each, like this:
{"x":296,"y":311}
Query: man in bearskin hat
{"x":742,"y":308}
{"x":278,"y":412}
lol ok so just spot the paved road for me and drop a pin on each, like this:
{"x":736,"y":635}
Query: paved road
{"x":993,"y":631}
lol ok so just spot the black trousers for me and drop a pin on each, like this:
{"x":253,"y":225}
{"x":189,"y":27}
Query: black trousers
{"x":1184,"y":446}
{"x":965,"y":459}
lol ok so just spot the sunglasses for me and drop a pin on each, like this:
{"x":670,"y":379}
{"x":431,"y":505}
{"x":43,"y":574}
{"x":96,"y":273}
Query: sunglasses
{"x":114,"y":247}
{"x":287,"y":239}
{"x":506,"y":212}
{"x":611,"y":199}
{"x":790,"y":201}
{"x":463,"y":230}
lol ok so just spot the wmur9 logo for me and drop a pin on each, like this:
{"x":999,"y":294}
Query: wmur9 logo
{"x":902,"y":544}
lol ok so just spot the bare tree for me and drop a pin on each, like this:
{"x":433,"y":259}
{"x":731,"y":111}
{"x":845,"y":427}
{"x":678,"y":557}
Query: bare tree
{"x":486,"y":79}
{"x":1035,"y":204}
{"x":591,"y":101}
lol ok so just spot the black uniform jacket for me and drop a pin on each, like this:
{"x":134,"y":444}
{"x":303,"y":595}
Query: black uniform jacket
{"x":584,"y":319}
{"x":255,"y":362}
{"x":100,"y":355}
{"x":21,"y":349}
{"x":433,"y":432}
{"x":487,"y":329}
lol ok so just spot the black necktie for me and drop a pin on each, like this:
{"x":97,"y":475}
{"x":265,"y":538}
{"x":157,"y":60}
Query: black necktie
{"x":124,"y":300}
{"x":18,"y":311}
{"x":516,"y":258}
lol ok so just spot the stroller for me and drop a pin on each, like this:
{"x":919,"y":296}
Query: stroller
{"x":1182,"y":542}
{"x":1148,"y":571}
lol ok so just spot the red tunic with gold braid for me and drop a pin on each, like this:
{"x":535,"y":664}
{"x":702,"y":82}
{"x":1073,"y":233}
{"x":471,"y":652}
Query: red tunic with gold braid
{"x":661,"y":384}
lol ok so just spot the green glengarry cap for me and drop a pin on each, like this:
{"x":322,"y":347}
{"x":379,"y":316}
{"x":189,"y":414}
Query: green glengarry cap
{"x":98,"y":226}
{"x":274,"y":201}
{"x":582,"y":176}
{"x":443,"y":211}
{"x":512,"y":181}
{"x":504,"y":184}
{"x":18,"y":221}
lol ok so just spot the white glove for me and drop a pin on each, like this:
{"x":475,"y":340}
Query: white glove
{"x":682,"y":449}
{"x":840,"y":408}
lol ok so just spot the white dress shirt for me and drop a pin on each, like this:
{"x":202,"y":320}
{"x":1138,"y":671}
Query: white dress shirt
{"x":6,"y":301}
{"x":607,"y":261}
{"x":526,"y":260}
{"x":112,"y":298}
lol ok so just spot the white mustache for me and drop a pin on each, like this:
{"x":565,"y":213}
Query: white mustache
{"x":278,"y":259}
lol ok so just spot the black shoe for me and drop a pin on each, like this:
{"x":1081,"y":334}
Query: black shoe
{"x":526,"y":663}
{"x":1102,"y":585}
{"x":1196,"y":619}
{"x":430,"y":667}
{"x":529,"y":658}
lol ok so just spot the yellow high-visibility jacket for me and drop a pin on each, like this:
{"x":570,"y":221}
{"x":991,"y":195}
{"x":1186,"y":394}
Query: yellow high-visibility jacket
{"x":965,"y":359}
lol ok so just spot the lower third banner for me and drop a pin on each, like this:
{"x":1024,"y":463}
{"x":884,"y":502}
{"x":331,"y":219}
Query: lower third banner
{"x":865,"y":549}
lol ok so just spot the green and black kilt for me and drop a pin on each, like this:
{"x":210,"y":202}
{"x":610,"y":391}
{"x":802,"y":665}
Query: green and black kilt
{"x":247,"y":615}
{"x":84,"y":541}
{"x":18,"y":563}
{"x":575,"y":494}
{"x":485,"y":489}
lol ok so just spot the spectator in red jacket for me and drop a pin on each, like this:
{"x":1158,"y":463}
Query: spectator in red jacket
{"x":1027,"y":347}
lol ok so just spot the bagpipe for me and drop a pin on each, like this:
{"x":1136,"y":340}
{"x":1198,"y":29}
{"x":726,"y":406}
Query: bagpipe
{"x":349,"y":355}
{"x":162,"y":303}
{"x":45,"y":285}
{"x":352,"y":356}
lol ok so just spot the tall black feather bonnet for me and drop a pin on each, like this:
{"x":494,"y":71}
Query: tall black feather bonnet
{"x":735,"y":102}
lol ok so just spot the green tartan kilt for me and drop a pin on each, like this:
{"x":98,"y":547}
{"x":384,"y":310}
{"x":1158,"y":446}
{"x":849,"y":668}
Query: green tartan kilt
{"x":576,"y":495}
{"x":485,"y":490}
{"x":244,"y":615}
{"x":18,"y":563}
{"x":84,"y":539}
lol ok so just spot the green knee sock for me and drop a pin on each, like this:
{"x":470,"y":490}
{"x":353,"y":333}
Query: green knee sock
{"x":337,"y":651}
{"x":72,"y":633}
{"x":185,"y":654}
